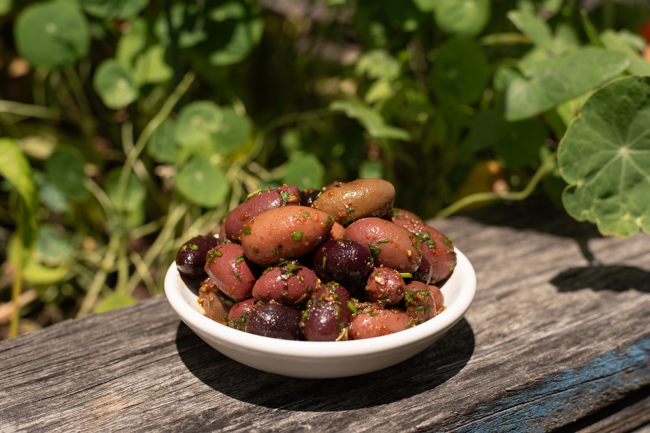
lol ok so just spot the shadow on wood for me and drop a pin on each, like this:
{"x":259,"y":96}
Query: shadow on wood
{"x":417,"y":375}
{"x":615,"y":278}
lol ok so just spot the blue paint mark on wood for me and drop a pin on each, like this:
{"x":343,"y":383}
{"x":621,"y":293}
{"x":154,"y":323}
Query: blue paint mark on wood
{"x":562,"y":397}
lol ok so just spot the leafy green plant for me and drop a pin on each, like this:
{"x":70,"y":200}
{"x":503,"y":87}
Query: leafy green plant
{"x":133,"y":126}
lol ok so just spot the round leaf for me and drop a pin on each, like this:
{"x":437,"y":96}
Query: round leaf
{"x":463,"y":17}
{"x":162,"y":146}
{"x":461,"y":74}
{"x":52,"y":34}
{"x":306,"y":171}
{"x":114,"y":84}
{"x":202,"y":183}
{"x":197,"y":122}
{"x":605,"y":159}
{"x":134,"y":193}
{"x":245,"y":36}
{"x":233,"y":133}
{"x":122,"y":9}
{"x":65,"y":170}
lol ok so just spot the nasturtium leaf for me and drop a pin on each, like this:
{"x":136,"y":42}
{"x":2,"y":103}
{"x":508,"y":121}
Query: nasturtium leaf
{"x":150,"y":67}
{"x":113,"y":302}
{"x":305,"y":171}
{"x":65,"y":169}
{"x":371,"y":170}
{"x":202,"y":183}
{"x":463,"y":17}
{"x":52,"y":247}
{"x":427,"y":5}
{"x":233,"y":133}
{"x":370,"y":118}
{"x":504,"y":76}
{"x":230,"y":10}
{"x":49,"y":195}
{"x":52,"y":34}
{"x":131,"y":43}
{"x":614,"y":42}
{"x":520,"y":144}
{"x":377,"y":64}
{"x":114,"y":84}
{"x":570,"y":109}
{"x":245,"y":36}
{"x":537,"y":30}
{"x":162,"y":146}
{"x":605,"y":159}
{"x":15,"y":168}
{"x":461,"y":72}
{"x":557,"y":80}
{"x":291,"y":142}
{"x":197,"y":122}
{"x":122,"y":9}
{"x":135,"y":192}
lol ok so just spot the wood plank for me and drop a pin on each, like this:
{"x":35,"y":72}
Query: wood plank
{"x":558,"y":330}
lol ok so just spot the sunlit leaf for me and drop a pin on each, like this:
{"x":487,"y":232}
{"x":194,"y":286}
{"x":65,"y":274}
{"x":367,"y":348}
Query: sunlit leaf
{"x":162,"y":146}
{"x":50,"y":195}
{"x":233,"y":133}
{"x":135,"y":192}
{"x":378,"y":91}
{"x":114,"y":84}
{"x":427,"y":5}
{"x":504,"y":76}
{"x":202,"y":183}
{"x":245,"y":36}
{"x":520,"y":144}
{"x":533,"y":27}
{"x":371,"y":170}
{"x":557,"y":80}
{"x":230,"y":10}
{"x":605,"y":159}
{"x":52,"y":34}
{"x":370,"y":118}
{"x":65,"y":169}
{"x":114,"y":301}
{"x":614,"y":42}
{"x":131,"y":43}
{"x":151,"y":67}
{"x":463,"y":17}
{"x":377,"y":64}
{"x":123,"y":9}
{"x":461,"y":72}
{"x":305,"y":170}
{"x":291,"y":142}
{"x":5,"y":6}
{"x":52,"y":247}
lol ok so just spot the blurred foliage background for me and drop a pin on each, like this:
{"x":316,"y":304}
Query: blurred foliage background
{"x":130,"y":126}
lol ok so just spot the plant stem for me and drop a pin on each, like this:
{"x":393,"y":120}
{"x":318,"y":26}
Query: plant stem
{"x":98,"y":282}
{"x":28,"y":110}
{"x":489,"y":196}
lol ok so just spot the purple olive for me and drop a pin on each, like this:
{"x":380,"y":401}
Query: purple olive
{"x":275,"y":321}
{"x":385,"y":286}
{"x":308,"y":196}
{"x":342,"y":260}
{"x":327,"y":314}
{"x":190,"y":259}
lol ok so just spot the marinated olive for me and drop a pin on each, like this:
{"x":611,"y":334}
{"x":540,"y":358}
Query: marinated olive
{"x":231,"y":271}
{"x":375,"y":321}
{"x":342,"y":260}
{"x":308,"y":196}
{"x":215,"y":304}
{"x":290,"y":284}
{"x":327,"y":315}
{"x":420,"y":302}
{"x":385,"y":286}
{"x":275,"y":321}
{"x":438,"y":297}
{"x":424,"y":272}
{"x":190,"y":259}
{"x":238,"y":316}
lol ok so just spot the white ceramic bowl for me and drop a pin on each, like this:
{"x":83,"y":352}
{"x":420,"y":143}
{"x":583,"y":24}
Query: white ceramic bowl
{"x":319,"y":360}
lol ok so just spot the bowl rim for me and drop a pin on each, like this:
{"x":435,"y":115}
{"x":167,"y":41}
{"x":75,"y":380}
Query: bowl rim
{"x":325,"y":349}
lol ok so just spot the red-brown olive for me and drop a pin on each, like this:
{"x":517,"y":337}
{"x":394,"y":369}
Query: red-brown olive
{"x":190,"y":259}
{"x":290,"y":284}
{"x":342,"y":260}
{"x":385,"y":286}
{"x":327,"y":315}
{"x":238,"y":315}
{"x":275,"y":321}
{"x":420,"y":302}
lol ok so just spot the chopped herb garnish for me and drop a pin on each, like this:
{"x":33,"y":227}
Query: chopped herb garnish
{"x":255,"y":249}
{"x":307,"y":237}
{"x":308,"y":288}
{"x":297,"y":235}
{"x":274,"y":251}
{"x":349,"y":211}
{"x":374,"y":251}
{"x":240,"y":259}
{"x":304,"y":315}
{"x":324,"y":260}
{"x":382,"y":241}
{"x":285,"y":196}
{"x":194,"y":247}
{"x":431,"y":244}
{"x":228,"y":301}
{"x":352,"y":307}
{"x":329,"y":221}
{"x":406,"y":275}
{"x":304,"y":214}
{"x":218,"y":253}
{"x":410,"y":322}
{"x":247,"y":230}
{"x":452,"y":269}
{"x":253,"y":193}
{"x":348,"y":222}
{"x":236,"y":275}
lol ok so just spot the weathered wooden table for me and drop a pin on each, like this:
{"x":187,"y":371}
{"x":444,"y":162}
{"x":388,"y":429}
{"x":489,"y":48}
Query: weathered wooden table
{"x":558,"y":337}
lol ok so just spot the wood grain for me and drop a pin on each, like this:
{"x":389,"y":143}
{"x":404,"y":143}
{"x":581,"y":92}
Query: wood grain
{"x":559,"y":329}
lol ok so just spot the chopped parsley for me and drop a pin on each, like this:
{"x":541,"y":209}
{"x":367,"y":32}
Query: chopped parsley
{"x":236,"y":275}
{"x":348,"y":222}
{"x":247,"y":230}
{"x":253,"y":193}
{"x":406,"y":275}
{"x":324,"y":260}
{"x":194,"y":247}
{"x":410,"y":322}
{"x":255,"y":249}
{"x":382,"y":241}
{"x":274,"y":251}
{"x":240,"y":259}
{"x":297,"y":235}
{"x":304,"y":214}
{"x":285,"y":196}
{"x":349,"y":211}
{"x":374,"y":251}
{"x":329,"y":221}
{"x":352,"y":307}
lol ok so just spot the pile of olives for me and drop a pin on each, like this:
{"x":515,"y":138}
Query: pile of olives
{"x":336,"y":264}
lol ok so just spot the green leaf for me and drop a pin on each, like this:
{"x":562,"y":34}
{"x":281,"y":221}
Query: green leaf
{"x":379,"y":91}
{"x":34,"y":272}
{"x":5,"y":6}
{"x":135,"y":192}
{"x":371,"y":170}
{"x":504,"y":76}
{"x":291,"y":142}
{"x":204,"y":122}
{"x":305,"y":171}
{"x":614,"y":42}
{"x":122,"y":9}
{"x":151,"y":67}
{"x":232,"y":10}
{"x":114,"y":301}
{"x":463,"y":18}
{"x":52,"y":248}
{"x":590,"y":29}
{"x":461,"y":72}
{"x":162,"y":146}
{"x":66,"y":171}
{"x":370,"y":119}
{"x":245,"y":36}
{"x":520,"y":144}
{"x":605,"y":159}
{"x":131,"y":43}
{"x":52,"y":34}
{"x":51,"y":196}
{"x":533,"y":27}
{"x":114,"y":84}
{"x":202,"y":183}
{"x":377,"y":64}
{"x":557,"y":80}
{"x":15,"y":168}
